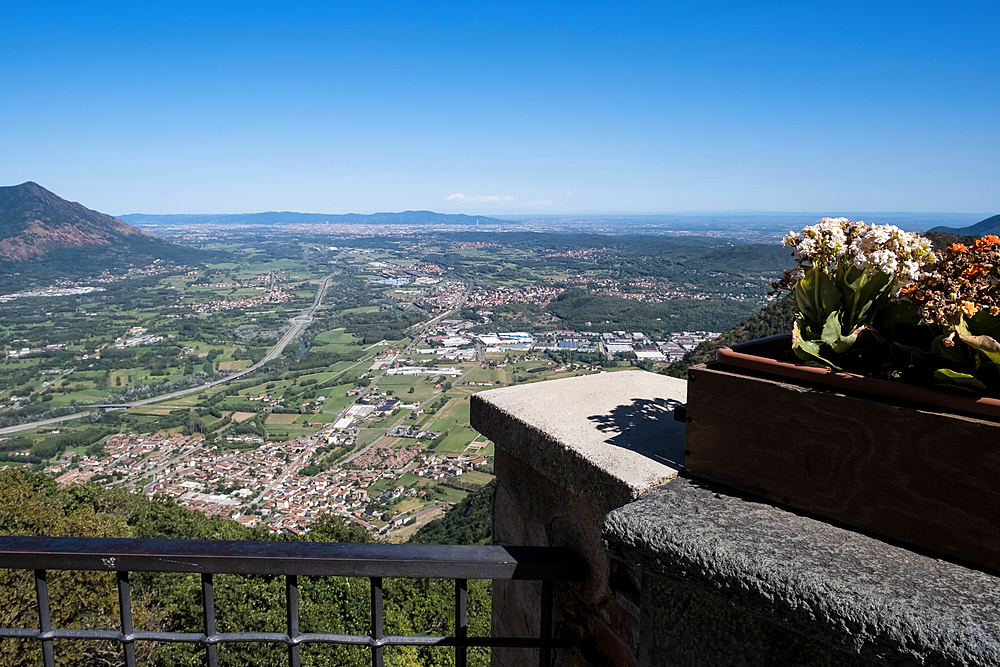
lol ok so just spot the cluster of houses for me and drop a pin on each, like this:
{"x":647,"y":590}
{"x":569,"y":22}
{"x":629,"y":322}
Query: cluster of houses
{"x":388,"y":458}
{"x":135,"y":337}
{"x":154,"y":268}
{"x":610,"y":344}
{"x":11,"y":350}
{"x":274,"y":296}
{"x":645,"y":289}
{"x":423,"y":273}
{"x":446,"y":296}
{"x":264,"y":484}
{"x":408,"y":431}
{"x":539,"y":295}
{"x":52,"y":291}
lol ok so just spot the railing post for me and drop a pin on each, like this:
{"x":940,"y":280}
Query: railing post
{"x":208,"y":602}
{"x":292,"y":600}
{"x":377,"y":625}
{"x":125,"y":607}
{"x":44,"y":616}
{"x":461,"y":620}
{"x":545,"y":631}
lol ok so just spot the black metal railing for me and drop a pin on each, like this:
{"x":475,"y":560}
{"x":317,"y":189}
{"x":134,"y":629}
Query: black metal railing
{"x":291,"y":559}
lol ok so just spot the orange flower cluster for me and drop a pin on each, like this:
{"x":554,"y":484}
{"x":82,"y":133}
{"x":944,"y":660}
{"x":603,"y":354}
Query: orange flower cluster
{"x":964,"y":281}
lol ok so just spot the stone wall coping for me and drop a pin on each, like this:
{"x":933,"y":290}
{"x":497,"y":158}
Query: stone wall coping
{"x":839,"y":586}
{"x":611,"y":435}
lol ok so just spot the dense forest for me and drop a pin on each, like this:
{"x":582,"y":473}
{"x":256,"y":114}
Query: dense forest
{"x":32,"y":504}
{"x":468,"y":522}
{"x":704,"y":264}
{"x":579,"y":309}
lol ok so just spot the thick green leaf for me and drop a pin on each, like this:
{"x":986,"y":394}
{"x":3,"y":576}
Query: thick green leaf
{"x":982,"y":323}
{"x":816,"y":296}
{"x":953,"y":353}
{"x":956,"y":380}
{"x":856,"y":282}
{"x":983,"y":343}
{"x":809,"y":350}
{"x":803,"y":297}
{"x":828,"y":295}
{"x":831,"y":329}
{"x":844,"y":343}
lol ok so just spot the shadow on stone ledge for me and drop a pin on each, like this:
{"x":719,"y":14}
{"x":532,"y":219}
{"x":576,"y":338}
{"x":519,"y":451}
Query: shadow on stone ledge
{"x":646,"y":426}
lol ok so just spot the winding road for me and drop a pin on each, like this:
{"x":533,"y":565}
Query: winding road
{"x":299,"y":322}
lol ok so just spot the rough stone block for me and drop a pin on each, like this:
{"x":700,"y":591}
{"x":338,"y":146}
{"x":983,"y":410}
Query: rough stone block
{"x":567,"y":452}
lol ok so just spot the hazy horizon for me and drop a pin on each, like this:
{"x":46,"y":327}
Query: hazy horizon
{"x":581,"y":214}
{"x":771,"y":225}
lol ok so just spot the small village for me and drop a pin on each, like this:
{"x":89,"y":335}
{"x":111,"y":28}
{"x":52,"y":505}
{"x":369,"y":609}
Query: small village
{"x":263,"y":484}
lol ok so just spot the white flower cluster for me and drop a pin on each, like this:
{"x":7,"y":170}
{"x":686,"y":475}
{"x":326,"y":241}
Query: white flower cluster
{"x":872,"y":248}
{"x":821,"y":244}
{"x":890,"y":250}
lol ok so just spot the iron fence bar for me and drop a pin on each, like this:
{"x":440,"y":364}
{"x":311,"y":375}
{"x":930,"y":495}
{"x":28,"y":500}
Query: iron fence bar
{"x":292,"y":606}
{"x":208,"y":603}
{"x":282,"y":638}
{"x":44,"y":616}
{"x":461,"y":620}
{"x":474,"y":642}
{"x":418,"y":640}
{"x":108,"y":635}
{"x":545,"y":631}
{"x":377,"y":623}
{"x":125,"y":608}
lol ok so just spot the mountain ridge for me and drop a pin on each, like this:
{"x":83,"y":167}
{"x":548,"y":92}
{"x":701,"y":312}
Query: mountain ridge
{"x":990,"y":225}
{"x":293,"y":217}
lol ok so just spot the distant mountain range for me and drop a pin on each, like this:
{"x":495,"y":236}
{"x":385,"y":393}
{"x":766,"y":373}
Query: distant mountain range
{"x":988,"y":226}
{"x":291,"y":218}
{"x":38,"y":227}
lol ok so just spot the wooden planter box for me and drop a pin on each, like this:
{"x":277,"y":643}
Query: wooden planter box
{"x":919,"y":473}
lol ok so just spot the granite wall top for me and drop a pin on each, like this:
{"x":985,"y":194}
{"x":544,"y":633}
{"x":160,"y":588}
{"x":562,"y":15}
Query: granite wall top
{"x":842,"y":587}
{"x":611,"y":435}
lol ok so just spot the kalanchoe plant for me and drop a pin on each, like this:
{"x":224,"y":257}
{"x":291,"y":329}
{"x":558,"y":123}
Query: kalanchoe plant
{"x":958,"y":298}
{"x":846,"y":272}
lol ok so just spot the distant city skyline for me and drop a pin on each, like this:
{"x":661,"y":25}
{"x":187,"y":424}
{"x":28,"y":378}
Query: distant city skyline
{"x":507,"y":109}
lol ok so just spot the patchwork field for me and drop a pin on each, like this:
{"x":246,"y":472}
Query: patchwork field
{"x":285,"y":418}
{"x":234,"y":365}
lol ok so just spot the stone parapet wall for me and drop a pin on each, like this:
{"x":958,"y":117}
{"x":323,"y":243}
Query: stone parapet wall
{"x":602,"y":610}
{"x":567,"y":453}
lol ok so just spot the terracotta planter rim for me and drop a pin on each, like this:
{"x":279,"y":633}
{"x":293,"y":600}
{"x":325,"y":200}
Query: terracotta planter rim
{"x":752,"y":356}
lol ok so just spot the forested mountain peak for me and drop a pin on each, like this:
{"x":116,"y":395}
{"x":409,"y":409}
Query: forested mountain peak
{"x":36,"y":224}
{"x":35,"y":221}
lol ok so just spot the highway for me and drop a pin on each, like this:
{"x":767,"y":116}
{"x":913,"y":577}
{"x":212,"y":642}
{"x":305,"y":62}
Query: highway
{"x":299,"y":322}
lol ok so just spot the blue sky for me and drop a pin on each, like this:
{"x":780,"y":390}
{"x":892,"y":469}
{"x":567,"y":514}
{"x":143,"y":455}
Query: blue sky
{"x":496,"y":108}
